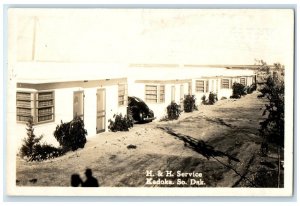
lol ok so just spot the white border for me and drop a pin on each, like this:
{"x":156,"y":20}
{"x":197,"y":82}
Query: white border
{"x":234,"y":192}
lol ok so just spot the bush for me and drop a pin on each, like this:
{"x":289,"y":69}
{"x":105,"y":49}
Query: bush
{"x":212,"y":98}
{"x":203,"y":98}
{"x":71,"y":135}
{"x":120,"y":123}
{"x":238,"y":90}
{"x":173,"y":111}
{"x":251,"y":88}
{"x":33,"y":150}
{"x":44,"y":151}
{"x":189,"y":103}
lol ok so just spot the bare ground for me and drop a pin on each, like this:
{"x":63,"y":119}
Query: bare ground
{"x":221,"y":141}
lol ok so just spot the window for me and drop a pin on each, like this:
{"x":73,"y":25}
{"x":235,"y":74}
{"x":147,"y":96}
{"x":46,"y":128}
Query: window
{"x":243,"y":81}
{"x":122,"y":94}
{"x":155,"y":93}
{"x":45,"y":106}
{"x":225,"y":84}
{"x":24,"y":106}
{"x":199,"y":85}
{"x":151,"y":93}
{"x":39,"y":105}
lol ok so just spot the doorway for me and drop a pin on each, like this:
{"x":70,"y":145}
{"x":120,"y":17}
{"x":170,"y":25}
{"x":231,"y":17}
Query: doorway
{"x":78,"y":104}
{"x":100,"y":125}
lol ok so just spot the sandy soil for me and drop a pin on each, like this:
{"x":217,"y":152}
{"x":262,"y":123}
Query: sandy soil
{"x":220,"y":141}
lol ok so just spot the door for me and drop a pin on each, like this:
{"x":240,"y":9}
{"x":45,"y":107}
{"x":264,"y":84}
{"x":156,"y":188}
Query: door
{"x":173,"y":94}
{"x":190,"y":88}
{"x":78,"y":104}
{"x":181,"y":95}
{"x":100,"y":125}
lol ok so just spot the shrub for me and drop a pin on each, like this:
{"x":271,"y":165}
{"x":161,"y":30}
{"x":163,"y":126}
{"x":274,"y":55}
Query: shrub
{"x":120,"y":123}
{"x":189,"y":103}
{"x":251,"y":88}
{"x":71,"y":135}
{"x":44,"y":152}
{"x":238,"y":90}
{"x":173,"y":111}
{"x":203,"y":98}
{"x":212,"y":98}
{"x":33,"y":150}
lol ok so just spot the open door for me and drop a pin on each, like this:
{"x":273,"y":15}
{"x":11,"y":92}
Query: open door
{"x":78,"y":104}
{"x":100,"y":125}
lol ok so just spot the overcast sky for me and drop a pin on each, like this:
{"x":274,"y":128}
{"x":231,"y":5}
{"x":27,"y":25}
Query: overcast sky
{"x":154,"y":36}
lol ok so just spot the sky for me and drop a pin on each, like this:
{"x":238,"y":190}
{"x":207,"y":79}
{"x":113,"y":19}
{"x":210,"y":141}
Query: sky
{"x":178,"y":36}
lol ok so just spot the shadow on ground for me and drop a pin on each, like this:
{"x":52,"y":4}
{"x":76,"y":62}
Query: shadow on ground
{"x":199,"y":146}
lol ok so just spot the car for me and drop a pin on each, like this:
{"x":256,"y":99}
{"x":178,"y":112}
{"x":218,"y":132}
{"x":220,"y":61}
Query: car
{"x":139,"y":110}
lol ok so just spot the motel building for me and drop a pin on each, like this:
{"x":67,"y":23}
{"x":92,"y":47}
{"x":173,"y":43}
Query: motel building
{"x":95,"y":92}
{"x":58,"y":69}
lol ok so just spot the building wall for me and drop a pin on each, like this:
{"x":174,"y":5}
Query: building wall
{"x":216,"y":87}
{"x":159,"y":109}
{"x":64,"y":112}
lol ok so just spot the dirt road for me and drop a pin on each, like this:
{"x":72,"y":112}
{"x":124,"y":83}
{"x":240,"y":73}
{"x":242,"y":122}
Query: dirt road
{"x":219,"y":142}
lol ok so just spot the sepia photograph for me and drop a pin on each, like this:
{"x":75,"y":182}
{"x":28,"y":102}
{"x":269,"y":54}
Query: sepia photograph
{"x":150,"y":102}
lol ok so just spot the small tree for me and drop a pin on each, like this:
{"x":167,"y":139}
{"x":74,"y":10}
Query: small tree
{"x":189,"y":103}
{"x":71,"y":135}
{"x":272,"y":128}
{"x":173,"y":111}
{"x":27,"y":148}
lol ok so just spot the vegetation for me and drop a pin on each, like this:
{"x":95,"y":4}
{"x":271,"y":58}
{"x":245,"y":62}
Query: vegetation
{"x":30,"y":141}
{"x":45,"y":151}
{"x":203,"y":99}
{"x":251,"y":88}
{"x":189,"y":103}
{"x":272,"y":128}
{"x":120,"y":123}
{"x":33,"y":150}
{"x":173,"y":111}
{"x":71,"y":135}
{"x":238,"y":90}
{"x":212,"y":98}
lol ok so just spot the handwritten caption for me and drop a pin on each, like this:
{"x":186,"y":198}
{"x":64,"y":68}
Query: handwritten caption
{"x":174,"y":178}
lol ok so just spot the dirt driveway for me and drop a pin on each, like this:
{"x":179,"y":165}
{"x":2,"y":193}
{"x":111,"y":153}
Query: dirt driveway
{"x":215,"y":146}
